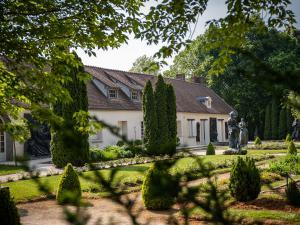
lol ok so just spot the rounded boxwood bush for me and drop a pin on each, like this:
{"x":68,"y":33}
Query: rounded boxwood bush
{"x":8,"y":210}
{"x":210,"y":149}
{"x":292,"y":148}
{"x":159,"y":189}
{"x":244,"y":180}
{"x":69,"y":190}
{"x":257,"y":141}
{"x":293,"y":194}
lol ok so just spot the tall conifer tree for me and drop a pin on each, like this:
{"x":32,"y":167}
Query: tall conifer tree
{"x":282,"y":124}
{"x":267,"y":130}
{"x":68,"y":145}
{"x":150,"y":119}
{"x":172,"y":119}
{"x":161,"y":112}
{"x":274,"y":119}
{"x":289,"y":120}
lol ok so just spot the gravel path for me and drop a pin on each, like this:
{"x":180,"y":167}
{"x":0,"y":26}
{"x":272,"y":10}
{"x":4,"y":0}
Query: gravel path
{"x":102,"y":211}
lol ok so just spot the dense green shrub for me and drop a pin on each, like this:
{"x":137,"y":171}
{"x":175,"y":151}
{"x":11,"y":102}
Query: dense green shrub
{"x":8,"y":210}
{"x":69,"y":190}
{"x":150,"y":120}
{"x":289,"y":164}
{"x":292,"y":148}
{"x":210,"y":149}
{"x":120,"y":143}
{"x":160,"y":96}
{"x":68,"y":143}
{"x":172,"y":120}
{"x":288,"y":138}
{"x":293,"y":194}
{"x":159,"y":189}
{"x":112,"y":152}
{"x":244,"y":180}
{"x":257,"y":141}
{"x":137,"y":142}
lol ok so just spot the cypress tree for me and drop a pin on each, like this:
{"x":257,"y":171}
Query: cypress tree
{"x":282,"y":124}
{"x":172,"y":119}
{"x":274,"y":120}
{"x":68,"y":145}
{"x":267,"y":130}
{"x":289,"y":120}
{"x":161,"y":112}
{"x":150,"y":119}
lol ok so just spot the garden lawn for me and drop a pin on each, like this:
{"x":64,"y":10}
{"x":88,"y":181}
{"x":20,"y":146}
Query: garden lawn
{"x":6,"y":169}
{"x":133,"y":175}
{"x":267,"y":151}
{"x":256,"y":215}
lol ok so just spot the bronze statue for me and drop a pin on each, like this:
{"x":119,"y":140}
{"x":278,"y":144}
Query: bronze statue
{"x":233,"y":131}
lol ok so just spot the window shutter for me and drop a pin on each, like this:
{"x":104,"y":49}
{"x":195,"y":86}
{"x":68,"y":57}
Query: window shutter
{"x":194,"y":128}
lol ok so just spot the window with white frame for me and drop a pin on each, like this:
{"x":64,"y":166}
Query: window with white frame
{"x":179,"y":129}
{"x":192,"y":127}
{"x":95,"y":138}
{"x":2,"y":137}
{"x":134,"y":95}
{"x":112,"y":93}
{"x":123,"y":128}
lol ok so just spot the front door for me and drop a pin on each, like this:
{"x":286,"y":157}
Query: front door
{"x":198,"y":133}
{"x":213,"y":130}
{"x":2,"y":143}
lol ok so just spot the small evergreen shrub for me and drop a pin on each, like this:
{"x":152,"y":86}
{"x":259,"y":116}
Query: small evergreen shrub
{"x":257,"y":141}
{"x":244,"y":180}
{"x":292,"y":148}
{"x":293,"y":194}
{"x":8,"y":210}
{"x":210,"y":149}
{"x":160,"y":188}
{"x":288,"y":138}
{"x":289,"y":164}
{"x":69,"y":190}
{"x":120,"y":143}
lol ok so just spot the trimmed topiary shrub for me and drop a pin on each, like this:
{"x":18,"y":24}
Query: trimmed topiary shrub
{"x":293,"y":194}
{"x":257,"y":141}
{"x":244,"y":180}
{"x":159,"y":189}
{"x":292,"y":148}
{"x":8,"y":210}
{"x":210,"y":149}
{"x":288,"y":138}
{"x":69,"y":190}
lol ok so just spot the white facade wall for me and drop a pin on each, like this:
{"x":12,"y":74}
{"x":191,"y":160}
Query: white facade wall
{"x":134,"y":119}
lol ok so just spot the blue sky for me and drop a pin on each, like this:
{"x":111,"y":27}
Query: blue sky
{"x":123,"y":57}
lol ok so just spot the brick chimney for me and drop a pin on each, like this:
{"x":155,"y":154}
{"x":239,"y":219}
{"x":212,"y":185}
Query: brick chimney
{"x":180,"y":76}
{"x":197,"y":79}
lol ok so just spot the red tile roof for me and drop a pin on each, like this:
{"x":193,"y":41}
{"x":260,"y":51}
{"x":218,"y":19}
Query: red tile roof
{"x":186,"y":92}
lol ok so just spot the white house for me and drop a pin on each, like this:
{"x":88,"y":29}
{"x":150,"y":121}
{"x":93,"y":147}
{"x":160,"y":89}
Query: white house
{"x":115,"y":97}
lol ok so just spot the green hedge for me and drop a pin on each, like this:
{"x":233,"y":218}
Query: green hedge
{"x":69,"y":190}
{"x":210,"y":149}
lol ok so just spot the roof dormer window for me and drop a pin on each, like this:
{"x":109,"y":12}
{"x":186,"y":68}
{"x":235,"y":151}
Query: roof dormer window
{"x":112,"y":93}
{"x":134,"y":95}
{"x":205,"y":100}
